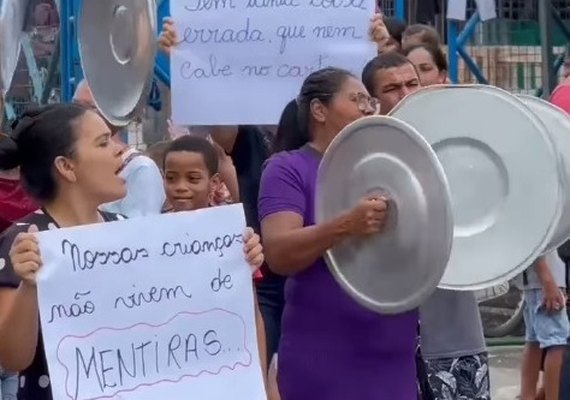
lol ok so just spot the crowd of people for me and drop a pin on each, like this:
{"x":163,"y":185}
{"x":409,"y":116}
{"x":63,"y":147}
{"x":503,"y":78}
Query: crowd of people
{"x":64,"y":165}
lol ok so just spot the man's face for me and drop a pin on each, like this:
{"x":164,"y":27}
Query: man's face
{"x":393,"y":84}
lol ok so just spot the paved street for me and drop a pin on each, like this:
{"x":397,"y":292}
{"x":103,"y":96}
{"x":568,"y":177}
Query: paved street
{"x":505,"y":367}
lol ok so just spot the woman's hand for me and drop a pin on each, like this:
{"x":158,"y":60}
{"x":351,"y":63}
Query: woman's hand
{"x":369,"y":216}
{"x":168,"y":38}
{"x":25,"y":255}
{"x":253,"y":250}
{"x":378,"y":31}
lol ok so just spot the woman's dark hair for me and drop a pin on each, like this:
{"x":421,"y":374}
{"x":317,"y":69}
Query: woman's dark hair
{"x":436,"y":53}
{"x":427,"y":32}
{"x":195,"y":144}
{"x":8,"y":153}
{"x":395,"y":27}
{"x":293,"y":130}
{"x":39,"y":136}
{"x":289,"y":135}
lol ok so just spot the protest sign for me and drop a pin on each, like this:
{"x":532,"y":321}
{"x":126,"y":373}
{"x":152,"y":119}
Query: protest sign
{"x":152,"y":308}
{"x":242,"y":61}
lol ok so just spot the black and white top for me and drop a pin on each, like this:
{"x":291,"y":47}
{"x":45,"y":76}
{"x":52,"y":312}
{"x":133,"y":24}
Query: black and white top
{"x":34,"y":382}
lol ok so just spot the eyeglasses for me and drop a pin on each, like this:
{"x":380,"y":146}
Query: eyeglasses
{"x":365,"y":102}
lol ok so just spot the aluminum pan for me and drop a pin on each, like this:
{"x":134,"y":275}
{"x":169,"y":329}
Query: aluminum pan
{"x":397,"y":270}
{"x":503,"y":173}
{"x":117,"y":45}
{"x":557,"y":124}
{"x":12,"y":19}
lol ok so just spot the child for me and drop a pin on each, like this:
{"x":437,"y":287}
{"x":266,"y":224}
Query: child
{"x":191,"y":179}
{"x":547,"y":326}
{"x":191,"y":176}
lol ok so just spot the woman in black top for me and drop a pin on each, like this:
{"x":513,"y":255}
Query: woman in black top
{"x":70,"y":165}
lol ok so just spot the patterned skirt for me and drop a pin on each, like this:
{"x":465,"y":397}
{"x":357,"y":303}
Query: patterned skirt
{"x":464,"y":378}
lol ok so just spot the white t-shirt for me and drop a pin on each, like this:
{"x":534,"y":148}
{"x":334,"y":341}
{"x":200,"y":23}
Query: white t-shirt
{"x":145,"y":188}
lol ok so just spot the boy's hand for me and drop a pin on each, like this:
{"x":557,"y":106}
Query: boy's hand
{"x":554,"y":298}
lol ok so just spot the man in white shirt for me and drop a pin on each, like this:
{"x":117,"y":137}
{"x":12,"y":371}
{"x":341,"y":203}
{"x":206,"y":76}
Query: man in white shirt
{"x":145,"y":188}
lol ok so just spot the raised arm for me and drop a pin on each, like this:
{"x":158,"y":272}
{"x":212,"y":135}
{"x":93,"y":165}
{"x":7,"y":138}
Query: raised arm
{"x":378,"y":32}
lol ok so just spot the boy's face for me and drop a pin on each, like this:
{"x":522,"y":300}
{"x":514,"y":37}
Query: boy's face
{"x":187,"y":181}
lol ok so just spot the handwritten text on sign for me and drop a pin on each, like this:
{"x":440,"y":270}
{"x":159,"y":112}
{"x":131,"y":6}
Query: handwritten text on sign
{"x":167,"y":314}
{"x":242,"y":61}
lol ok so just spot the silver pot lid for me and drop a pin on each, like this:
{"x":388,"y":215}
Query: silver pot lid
{"x":557,"y":124}
{"x":503,"y":174}
{"x":12,"y":19}
{"x":117,"y":45}
{"x":394,"y":271}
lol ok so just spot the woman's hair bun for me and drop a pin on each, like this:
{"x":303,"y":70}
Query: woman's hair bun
{"x":22,"y":124}
{"x":9,"y":155}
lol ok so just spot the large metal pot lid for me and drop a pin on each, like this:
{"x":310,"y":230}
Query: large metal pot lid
{"x":394,"y":271}
{"x":117,"y":45}
{"x":12,"y":19}
{"x":557,"y":124}
{"x":502,"y":170}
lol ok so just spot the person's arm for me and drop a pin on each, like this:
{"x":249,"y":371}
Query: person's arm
{"x":229,"y":178}
{"x":145,"y":191}
{"x":553,"y":296}
{"x":290,"y":247}
{"x":378,"y":32}
{"x":19,"y":314}
{"x":19,"y":327}
{"x":272,"y":386}
{"x":225,"y":136}
{"x":261,"y":338}
{"x":543,"y":272}
{"x":228,"y":174}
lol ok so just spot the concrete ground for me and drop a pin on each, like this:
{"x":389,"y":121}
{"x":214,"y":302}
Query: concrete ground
{"x":505,"y":372}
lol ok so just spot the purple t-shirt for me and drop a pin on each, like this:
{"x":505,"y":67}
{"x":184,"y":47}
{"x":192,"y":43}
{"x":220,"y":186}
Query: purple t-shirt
{"x":331,"y":347}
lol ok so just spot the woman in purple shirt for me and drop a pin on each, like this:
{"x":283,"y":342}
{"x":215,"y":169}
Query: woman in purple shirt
{"x":331,"y":347}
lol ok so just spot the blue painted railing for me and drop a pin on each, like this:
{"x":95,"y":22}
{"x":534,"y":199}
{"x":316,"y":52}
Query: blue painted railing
{"x":71,"y":72}
{"x":456,"y":47}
